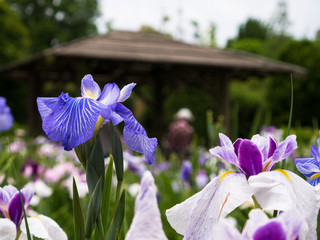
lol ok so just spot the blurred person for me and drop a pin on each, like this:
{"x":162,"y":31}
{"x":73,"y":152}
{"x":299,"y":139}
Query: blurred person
{"x":180,"y":134}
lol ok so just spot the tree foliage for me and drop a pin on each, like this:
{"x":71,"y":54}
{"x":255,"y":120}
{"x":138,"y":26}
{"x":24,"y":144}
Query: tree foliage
{"x":14,"y":35}
{"x":51,"y":22}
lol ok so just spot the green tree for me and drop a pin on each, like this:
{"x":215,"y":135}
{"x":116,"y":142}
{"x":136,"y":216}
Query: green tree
{"x":51,"y":22}
{"x":253,"y":29}
{"x":14,"y":38}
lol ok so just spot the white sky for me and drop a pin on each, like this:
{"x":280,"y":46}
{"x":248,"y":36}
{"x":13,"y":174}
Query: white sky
{"x":227,"y":15}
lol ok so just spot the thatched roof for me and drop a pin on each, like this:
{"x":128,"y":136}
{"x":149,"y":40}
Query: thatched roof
{"x":157,"y":49}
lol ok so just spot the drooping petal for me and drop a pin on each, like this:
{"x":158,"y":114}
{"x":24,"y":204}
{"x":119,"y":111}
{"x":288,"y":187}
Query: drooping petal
{"x":146,"y":223}
{"x":225,"y":141}
{"x":307,"y":166}
{"x":285,"y":148}
{"x":270,"y":231}
{"x":115,"y":118}
{"x":89,"y":88}
{"x":72,"y":121}
{"x":126,"y":92}
{"x":226,"y":154}
{"x":46,"y":106}
{"x":7,"y":229}
{"x":314,"y":180}
{"x":134,"y":134}
{"x":109,"y":95}
{"x":250,"y":158}
{"x":283,"y":190}
{"x":45,"y":228}
{"x":315,"y":153}
{"x":196,"y":217}
{"x":226,"y":229}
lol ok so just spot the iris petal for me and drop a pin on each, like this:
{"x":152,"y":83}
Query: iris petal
{"x":250,"y":158}
{"x":270,"y":231}
{"x":89,"y":88}
{"x":72,"y":121}
{"x":225,"y":141}
{"x":236,"y":145}
{"x":15,"y":208}
{"x":196,"y":217}
{"x":109,"y":95}
{"x":225,"y":153}
{"x":134,"y":134}
{"x":126,"y":92}
{"x":307,"y":166}
{"x":46,"y":106}
{"x":285,"y":148}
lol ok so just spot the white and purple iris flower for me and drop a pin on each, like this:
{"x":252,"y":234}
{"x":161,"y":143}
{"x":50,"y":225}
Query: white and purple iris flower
{"x":6,"y":119}
{"x":259,"y":227}
{"x":274,"y":190}
{"x":310,"y":167}
{"x":12,"y":224}
{"x":146,"y":223}
{"x":74,"y":121}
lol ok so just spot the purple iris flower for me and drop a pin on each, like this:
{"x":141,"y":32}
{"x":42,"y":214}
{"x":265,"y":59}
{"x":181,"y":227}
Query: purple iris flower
{"x":10,"y":203}
{"x":74,"y":121}
{"x":6,"y":119}
{"x":310,"y":167}
{"x":256,"y":155}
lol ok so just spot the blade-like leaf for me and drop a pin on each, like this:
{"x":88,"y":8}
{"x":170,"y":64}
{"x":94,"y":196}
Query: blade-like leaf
{"x":95,"y":166}
{"x":77,"y":214}
{"x":117,"y":153}
{"x":114,"y":231}
{"x":94,"y":207}
{"x":106,"y":193}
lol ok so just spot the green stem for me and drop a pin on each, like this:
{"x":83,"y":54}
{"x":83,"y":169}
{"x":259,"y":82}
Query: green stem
{"x":118,"y":192}
{"x":256,"y":204}
{"x":100,"y":227}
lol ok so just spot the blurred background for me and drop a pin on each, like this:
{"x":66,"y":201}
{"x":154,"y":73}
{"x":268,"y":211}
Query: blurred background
{"x":228,"y":69}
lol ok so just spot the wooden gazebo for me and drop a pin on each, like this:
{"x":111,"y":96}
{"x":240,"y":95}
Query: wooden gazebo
{"x":145,"y":58}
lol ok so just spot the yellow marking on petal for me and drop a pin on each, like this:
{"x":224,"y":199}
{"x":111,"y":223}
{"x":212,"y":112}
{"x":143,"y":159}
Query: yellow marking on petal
{"x":224,"y":175}
{"x":37,"y":218}
{"x":314,"y":176}
{"x":89,"y":95}
{"x":284,"y":173}
{"x":266,"y":166}
{"x":99,"y":123}
{"x":224,"y":203}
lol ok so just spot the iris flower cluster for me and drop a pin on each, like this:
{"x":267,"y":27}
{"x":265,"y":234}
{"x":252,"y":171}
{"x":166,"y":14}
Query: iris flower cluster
{"x":280,"y":190}
{"x":73,"y":121}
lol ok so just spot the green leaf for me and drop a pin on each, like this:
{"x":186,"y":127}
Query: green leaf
{"x":94,"y":207}
{"x":25,"y":217}
{"x":77,"y":214}
{"x":116,"y":224}
{"x":95,"y":166}
{"x":106,"y":193}
{"x":117,"y":153}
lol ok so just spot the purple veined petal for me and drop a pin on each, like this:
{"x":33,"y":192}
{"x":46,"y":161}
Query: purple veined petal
{"x":307,"y":166}
{"x":4,"y":203}
{"x":315,"y":153}
{"x":46,"y":106}
{"x":146,"y":223}
{"x":226,"y":154}
{"x":236,"y":145}
{"x":196,"y":217}
{"x":271,"y":231}
{"x":109,"y":95}
{"x":314,"y":181}
{"x":134,"y":134}
{"x":272,"y":146}
{"x":225,"y":141}
{"x":72,"y":121}
{"x":15,"y":208}
{"x":285,"y":148}
{"x":115,"y":118}
{"x":250,"y":158}
{"x":262,"y":143}
{"x":89,"y":88}
{"x":126,"y":92}
{"x":11,"y":190}
{"x":105,"y":112}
